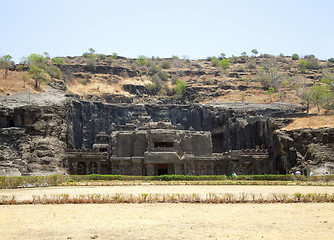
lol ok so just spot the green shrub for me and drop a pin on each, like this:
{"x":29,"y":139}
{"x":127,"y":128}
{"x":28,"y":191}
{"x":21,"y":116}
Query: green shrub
{"x":114,"y":55}
{"x":20,"y":67}
{"x":225,"y":63}
{"x":151,"y":86}
{"x":180,"y":89}
{"x":331,"y":60}
{"x":251,"y":65}
{"x":174,"y":79}
{"x":215,"y":62}
{"x":309,"y":57}
{"x":154,"y":69}
{"x":90,"y":65}
{"x":240,"y":69}
{"x":295,"y":56}
{"x":142,"y":60}
{"x":156,"y":80}
{"x":109,"y":60}
{"x":163,"y":76}
{"x":265,"y":55}
{"x":302,"y":64}
{"x":166,"y":64}
{"x":54,"y":72}
{"x":59,"y":61}
{"x":101,"y":57}
{"x":313,"y":65}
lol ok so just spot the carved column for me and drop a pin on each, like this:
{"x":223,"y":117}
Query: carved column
{"x":87,"y":167}
{"x":136,"y":167}
{"x":177,"y":168}
{"x":150,"y":169}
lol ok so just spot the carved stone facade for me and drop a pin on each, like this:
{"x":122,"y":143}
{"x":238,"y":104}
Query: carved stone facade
{"x":161,"y":149}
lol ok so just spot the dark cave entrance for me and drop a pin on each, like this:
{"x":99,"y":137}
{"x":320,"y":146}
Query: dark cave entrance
{"x":217,"y":143}
{"x":162,"y":169}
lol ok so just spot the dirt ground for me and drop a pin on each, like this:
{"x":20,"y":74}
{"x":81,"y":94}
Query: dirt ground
{"x":167,"y":221}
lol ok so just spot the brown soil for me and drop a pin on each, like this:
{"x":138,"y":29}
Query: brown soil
{"x":168,"y":221}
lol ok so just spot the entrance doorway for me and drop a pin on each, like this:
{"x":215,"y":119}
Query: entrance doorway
{"x":162,"y":169}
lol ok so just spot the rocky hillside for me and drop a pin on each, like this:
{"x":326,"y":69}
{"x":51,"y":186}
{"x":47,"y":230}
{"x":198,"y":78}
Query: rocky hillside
{"x":113,"y":79}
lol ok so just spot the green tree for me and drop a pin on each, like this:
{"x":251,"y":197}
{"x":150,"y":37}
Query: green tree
{"x":255,"y":52}
{"x":6,"y":64}
{"x":223,"y":55}
{"x":91,"y":50}
{"x":317,"y":94}
{"x":271,"y":78}
{"x":328,"y":79}
{"x":38,"y":74}
{"x":306,"y":97}
{"x":244,"y":56}
{"x":25,"y":78}
{"x":41,"y":70}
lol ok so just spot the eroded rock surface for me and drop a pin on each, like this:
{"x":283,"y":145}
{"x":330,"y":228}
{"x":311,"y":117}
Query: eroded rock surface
{"x":305,"y":150}
{"x":33,"y":136}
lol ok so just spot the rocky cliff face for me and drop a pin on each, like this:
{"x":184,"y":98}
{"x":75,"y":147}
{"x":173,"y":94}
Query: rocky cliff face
{"x":32,"y":137}
{"x":304,"y":150}
{"x":233,"y":126}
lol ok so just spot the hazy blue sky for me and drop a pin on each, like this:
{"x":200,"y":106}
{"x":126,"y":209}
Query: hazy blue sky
{"x":193,"y":28}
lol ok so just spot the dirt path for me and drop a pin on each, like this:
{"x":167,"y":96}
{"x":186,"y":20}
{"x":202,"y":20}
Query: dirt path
{"x":27,"y":193}
{"x":168,"y":221}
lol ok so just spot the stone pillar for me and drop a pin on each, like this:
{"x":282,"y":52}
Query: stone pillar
{"x":87,"y":167}
{"x":136,"y":167}
{"x":150,"y":169}
{"x":177,"y":168}
{"x":99,"y":167}
{"x":75,"y":168}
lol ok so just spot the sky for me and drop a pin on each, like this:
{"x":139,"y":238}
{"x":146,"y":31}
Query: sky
{"x":186,"y":28}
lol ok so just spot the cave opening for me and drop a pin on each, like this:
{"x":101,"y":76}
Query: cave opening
{"x":11,"y":123}
{"x":217,"y":143}
{"x":162,"y":169}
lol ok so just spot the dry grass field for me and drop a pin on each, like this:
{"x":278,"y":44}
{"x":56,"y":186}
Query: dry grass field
{"x":312,"y":122}
{"x":168,"y":220}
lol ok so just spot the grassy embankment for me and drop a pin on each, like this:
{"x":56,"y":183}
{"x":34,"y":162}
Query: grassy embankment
{"x":112,"y":180}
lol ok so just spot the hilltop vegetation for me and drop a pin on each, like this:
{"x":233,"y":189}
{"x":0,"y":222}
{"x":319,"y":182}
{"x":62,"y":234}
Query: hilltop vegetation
{"x":258,"y":78}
